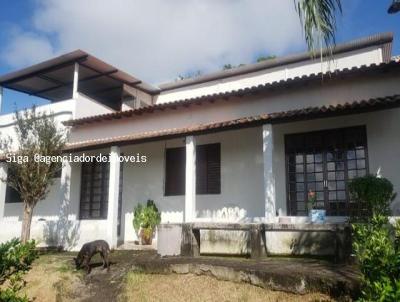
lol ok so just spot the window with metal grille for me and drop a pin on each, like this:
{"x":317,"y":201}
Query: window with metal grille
{"x":208,"y":170}
{"x":94,"y":190}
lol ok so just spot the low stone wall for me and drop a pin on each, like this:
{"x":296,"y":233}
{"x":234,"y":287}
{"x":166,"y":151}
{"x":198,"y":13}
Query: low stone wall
{"x":274,"y":242}
{"x":298,"y":276}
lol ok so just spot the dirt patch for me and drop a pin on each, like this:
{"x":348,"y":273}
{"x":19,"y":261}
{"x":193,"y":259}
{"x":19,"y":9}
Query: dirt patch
{"x":182,"y":288}
{"x":54,"y":278}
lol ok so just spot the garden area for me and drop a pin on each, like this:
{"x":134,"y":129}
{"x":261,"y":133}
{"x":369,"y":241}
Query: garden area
{"x":53,"y":277}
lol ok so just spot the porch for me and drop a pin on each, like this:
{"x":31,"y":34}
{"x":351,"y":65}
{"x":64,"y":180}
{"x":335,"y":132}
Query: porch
{"x":251,"y":184}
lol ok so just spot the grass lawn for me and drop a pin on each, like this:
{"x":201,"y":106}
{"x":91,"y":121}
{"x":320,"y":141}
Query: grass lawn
{"x":53,"y":278}
{"x":182,"y":288}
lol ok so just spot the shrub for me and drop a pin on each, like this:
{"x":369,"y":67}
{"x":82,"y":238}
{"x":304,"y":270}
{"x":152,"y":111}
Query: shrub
{"x":376,"y":242}
{"x":146,"y":218}
{"x":373,"y":194}
{"x":376,"y":245}
{"x":15,"y":259}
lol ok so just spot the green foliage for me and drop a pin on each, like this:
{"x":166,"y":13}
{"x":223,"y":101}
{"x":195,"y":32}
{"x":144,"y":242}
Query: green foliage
{"x":376,"y":242}
{"x":373,"y":193}
{"x":15,"y":259}
{"x":37,"y":134}
{"x":265,"y":58}
{"x":318,"y":18}
{"x":376,"y":245}
{"x":146,"y":217}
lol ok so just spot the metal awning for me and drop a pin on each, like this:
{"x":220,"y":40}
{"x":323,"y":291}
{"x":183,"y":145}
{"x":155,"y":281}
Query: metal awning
{"x":53,"y":79}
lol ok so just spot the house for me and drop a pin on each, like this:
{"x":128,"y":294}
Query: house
{"x":238,"y":145}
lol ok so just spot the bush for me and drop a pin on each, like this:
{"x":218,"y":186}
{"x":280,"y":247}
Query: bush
{"x":377,"y":247}
{"x":15,"y":259}
{"x":373,"y":194}
{"x":146,"y":218}
{"x":376,"y":242}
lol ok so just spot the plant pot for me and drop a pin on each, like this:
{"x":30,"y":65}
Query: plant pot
{"x":317,"y":216}
{"x":146,"y":236}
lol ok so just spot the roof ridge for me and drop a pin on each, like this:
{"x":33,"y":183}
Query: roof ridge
{"x":376,"y":39}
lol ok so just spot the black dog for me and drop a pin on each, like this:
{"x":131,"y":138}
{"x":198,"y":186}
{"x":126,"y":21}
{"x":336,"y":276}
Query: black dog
{"x":88,"y":250}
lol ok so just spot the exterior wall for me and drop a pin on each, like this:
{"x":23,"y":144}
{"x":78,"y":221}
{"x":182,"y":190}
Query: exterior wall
{"x":383,"y":128}
{"x":316,"y":95}
{"x":357,"y":58}
{"x":61,"y":111}
{"x":241,"y":181}
{"x":86,"y":106}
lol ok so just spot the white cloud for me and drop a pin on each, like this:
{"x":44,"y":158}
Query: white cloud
{"x":26,"y":48}
{"x":158,"y":39}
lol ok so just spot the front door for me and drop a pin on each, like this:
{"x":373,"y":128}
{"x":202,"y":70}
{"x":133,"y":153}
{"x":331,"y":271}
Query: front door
{"x":324,"y":162}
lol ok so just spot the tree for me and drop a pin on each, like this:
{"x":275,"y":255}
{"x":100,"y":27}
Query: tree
{"x":318,"y":18}
{"x":37,"y":134}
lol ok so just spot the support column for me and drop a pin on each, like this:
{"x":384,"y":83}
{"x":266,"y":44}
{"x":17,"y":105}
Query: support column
{"x":63,"y":224}
{"x":190,"y":186}
{"x":3,"y":188}
{"x":76,"y":80}
{"x":269,"y":177}
{"x":113,"y":193}
{"x":1,"y":97}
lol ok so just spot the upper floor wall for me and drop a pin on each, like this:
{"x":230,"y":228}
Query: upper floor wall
{"x":81,"y":106}
{"x":356,"y":58}
{"x":327,"y":92}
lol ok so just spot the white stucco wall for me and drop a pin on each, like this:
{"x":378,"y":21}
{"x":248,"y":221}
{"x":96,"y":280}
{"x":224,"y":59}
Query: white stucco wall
{"x":241,"y":179}
{"x":351,"y":59}
{"x":383,"y":130}
{"x":329,"y":93}
{"x":61,"y":111}
{"x":86,"y":106}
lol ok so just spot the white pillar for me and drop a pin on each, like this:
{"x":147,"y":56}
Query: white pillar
{"x":1,"y":97}
{"x":113,"y":193}
{"x":3,"y":188}
{"x":269,"y":177}
{"x":63,"y":224}
{"x":190,"y":186}
{"x":76,"y":80}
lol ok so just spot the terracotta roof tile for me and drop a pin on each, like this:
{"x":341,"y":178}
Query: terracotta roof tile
{"x":278,"y":117}
{"x":392,"y":65}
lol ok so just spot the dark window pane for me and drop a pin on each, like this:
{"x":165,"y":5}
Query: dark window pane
{"x":12,"y":196}
{"x":94,"y":190}
{"x":175,"y":159}
{"x":208,"y":175}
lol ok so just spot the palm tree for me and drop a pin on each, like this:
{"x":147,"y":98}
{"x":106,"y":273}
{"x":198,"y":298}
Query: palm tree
{"x":318,"y":18}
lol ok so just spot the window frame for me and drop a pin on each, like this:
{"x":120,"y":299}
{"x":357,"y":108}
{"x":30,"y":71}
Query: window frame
{"x":104,"y":180}
{"x":200,"y":149}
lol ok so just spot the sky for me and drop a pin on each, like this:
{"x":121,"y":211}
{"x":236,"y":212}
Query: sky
{"x":158,"y":40}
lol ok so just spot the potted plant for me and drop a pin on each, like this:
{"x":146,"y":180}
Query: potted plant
{"x":146,"y":218}
{"x":316,"y":215}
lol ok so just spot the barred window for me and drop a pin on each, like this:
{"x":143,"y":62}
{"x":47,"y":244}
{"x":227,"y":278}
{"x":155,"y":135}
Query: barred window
{"x":94,"y":190}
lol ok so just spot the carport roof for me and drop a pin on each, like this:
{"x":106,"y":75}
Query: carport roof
{"x":53,"y":79}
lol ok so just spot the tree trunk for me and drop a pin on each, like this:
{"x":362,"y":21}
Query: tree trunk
{"x":26,"y":223}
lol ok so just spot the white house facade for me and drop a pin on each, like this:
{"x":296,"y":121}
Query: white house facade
{"x":241,"y":145}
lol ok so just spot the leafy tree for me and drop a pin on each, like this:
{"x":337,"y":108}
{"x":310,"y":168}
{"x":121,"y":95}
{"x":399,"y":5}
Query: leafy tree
{"x":36,"y":134}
